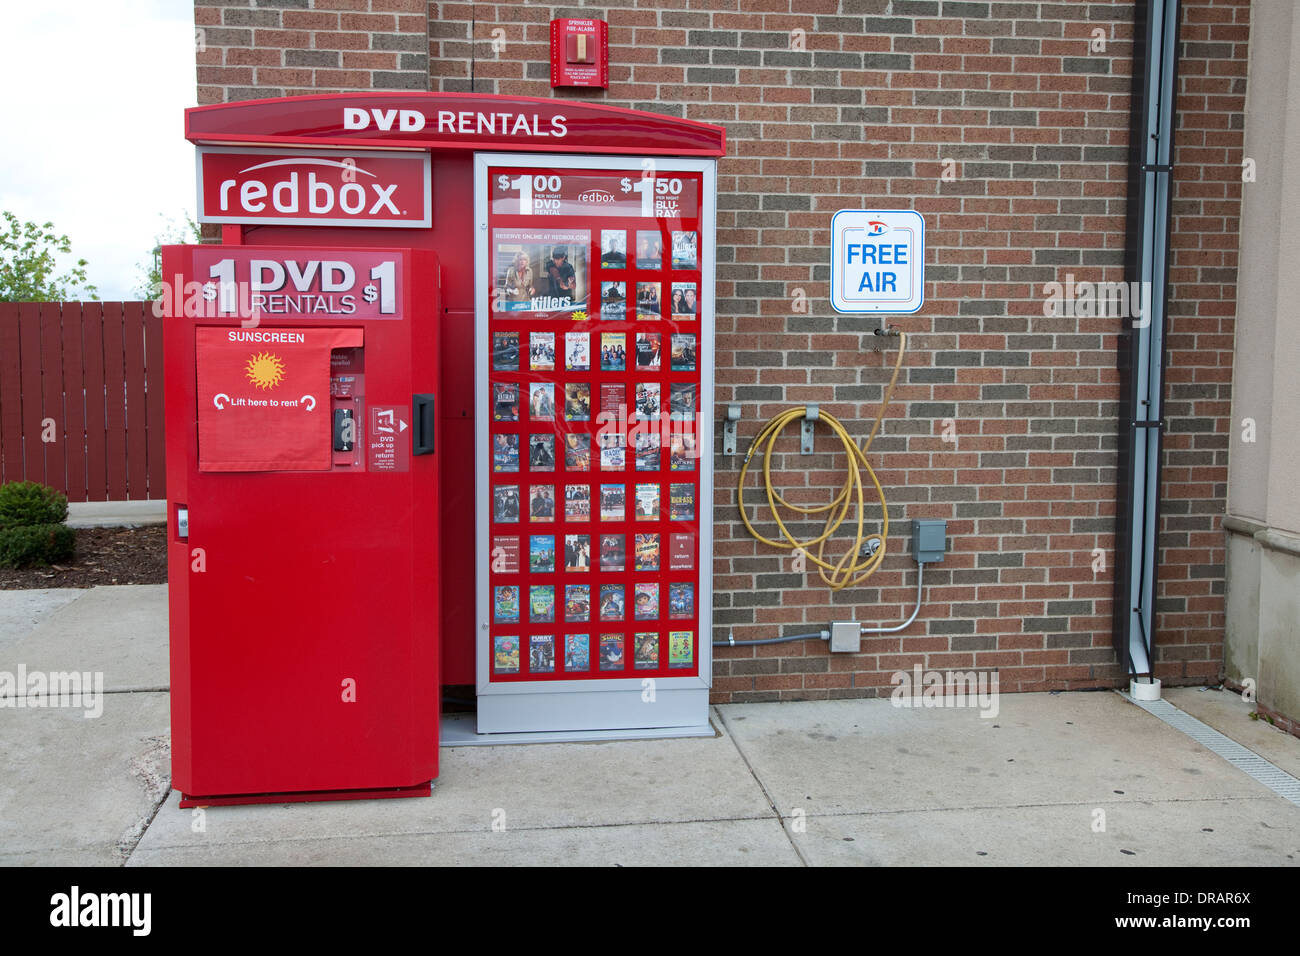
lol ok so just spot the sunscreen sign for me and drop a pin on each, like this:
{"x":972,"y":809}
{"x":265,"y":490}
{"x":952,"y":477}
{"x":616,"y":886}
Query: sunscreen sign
{"x":877,"y":261}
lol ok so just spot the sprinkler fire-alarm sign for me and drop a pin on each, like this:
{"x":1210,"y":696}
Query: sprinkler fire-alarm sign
{"x":877,"y":261}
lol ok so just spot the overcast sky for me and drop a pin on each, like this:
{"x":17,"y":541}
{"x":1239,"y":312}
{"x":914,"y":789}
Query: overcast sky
{"x":92,"y":106}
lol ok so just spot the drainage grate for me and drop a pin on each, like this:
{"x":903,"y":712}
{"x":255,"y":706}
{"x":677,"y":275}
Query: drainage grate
{"x":1247,"y":761}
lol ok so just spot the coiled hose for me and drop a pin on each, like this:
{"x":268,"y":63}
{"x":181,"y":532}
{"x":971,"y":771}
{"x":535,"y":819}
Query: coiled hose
{"x":853,"y":568}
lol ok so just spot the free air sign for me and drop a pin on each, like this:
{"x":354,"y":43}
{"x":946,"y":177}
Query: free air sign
{"x":314,"y":187}
{"x":877,"y":261}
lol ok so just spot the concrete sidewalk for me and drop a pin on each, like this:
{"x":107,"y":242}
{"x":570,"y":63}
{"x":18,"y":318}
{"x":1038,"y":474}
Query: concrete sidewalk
{"x":822,"y":783}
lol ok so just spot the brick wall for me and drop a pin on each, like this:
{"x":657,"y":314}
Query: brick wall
{"x":1006,"y":127}
{"x":250,"y":49}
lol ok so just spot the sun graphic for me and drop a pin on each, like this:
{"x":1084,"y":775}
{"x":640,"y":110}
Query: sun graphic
{"x":265,"y":370}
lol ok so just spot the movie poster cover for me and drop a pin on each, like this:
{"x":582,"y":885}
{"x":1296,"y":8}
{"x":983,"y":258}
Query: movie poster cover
{"x":577,"y":402}
{"x":645,"y":602}
{"x":541,"y":401}
{"x":541,"y":452}
{"x":611,"y":652}
{"x":577,"y":452}
{"x":648,"y":349}
{"x":505,"y":402}
{"x":611,"y":602}
{"x":541,"y":503}
{"x":683,"y":354}
{"x":647,"y":301}
{"x":685,"y":303}
{"x":613,"y":351}
{"x":646,"y":447}
{"x":648,"y":401}
{"x":681,"y":401}
{"x":649,"y":249}
{"x":505,"y":604}
{"x":541,"y":273}
{"x":613,"y":456}
{"x":681,"y":452}
{"x":612,"y":552}
{"x":681,"y":501}
{"x":612,"y":502}
{"x":577,"y":351}
{"x":681,"y":649}
{"x":541,"y":603}
{"x":647,"y":551}
{"x":541,"y":351}
{"x":541,"y":654}
{"x":505,"y":655}
{"x":577,"y":552}
{"x":577,"y":653}
{"x":613,"y":248}
{"x":685,"y":250}
{"x":681,"y":600}
{"x":647,"y":651}
{"x":577,"y":502}
{"x":577,"y":602}
{"x":613,"y":301}
{"x":505,"y":351}
{"x":505,"y":452}
{"x":647,"y":501}
{"x":541,"y":553}
{"x":505,"y":503}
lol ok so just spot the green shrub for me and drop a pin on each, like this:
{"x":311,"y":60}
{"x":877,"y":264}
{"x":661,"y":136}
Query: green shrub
{"x":36,"y":545}
{"x":29,"y":503}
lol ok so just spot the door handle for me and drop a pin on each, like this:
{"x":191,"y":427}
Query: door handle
{"x":422,"y":425}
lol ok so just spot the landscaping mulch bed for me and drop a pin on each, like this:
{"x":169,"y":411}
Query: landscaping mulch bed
{"x":103,"y":556}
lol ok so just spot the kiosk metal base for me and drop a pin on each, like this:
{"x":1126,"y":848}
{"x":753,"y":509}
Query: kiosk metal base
{"x":308,"y":796}
{"x":460,"y":730}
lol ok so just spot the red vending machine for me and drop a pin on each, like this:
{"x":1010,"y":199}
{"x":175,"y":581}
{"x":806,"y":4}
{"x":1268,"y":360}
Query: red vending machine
{"x":309,"y":641}
{"x":302,"y":468}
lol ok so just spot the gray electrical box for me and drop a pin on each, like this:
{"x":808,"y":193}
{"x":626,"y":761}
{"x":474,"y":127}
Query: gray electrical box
{"x":929,"y":539}
{"x":846,"y":637}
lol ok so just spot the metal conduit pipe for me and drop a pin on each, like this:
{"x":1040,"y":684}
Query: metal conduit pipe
{"x":826,"y":635}
{"x":920,"y":568}
{"x":1143,"y":362}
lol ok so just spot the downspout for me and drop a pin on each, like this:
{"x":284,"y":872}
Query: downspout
{"x":1143,"y":362}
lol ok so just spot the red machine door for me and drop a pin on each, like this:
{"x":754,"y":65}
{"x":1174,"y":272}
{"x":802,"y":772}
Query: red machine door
{"x":305,"y":656}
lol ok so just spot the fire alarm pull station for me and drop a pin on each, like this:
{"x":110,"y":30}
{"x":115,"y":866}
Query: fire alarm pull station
{"x":344,"y":417}
{"x":579,"y":53}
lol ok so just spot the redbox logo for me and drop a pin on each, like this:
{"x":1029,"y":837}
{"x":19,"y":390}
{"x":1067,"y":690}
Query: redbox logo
{"x":314,"y":188}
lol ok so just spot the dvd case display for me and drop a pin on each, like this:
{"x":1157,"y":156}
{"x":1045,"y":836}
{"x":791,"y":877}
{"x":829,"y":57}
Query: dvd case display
{"x":541,"y":653}
{"x":611,"y":652}
{"x":577,"y":502}
{"x":594,"y":385}
{"x":505,"y":452}
{"x":541,"y":553}
{"x":577,"y":653}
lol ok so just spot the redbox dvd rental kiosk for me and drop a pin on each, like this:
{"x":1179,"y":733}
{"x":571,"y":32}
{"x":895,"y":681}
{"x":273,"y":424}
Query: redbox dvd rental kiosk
{"x":594,"y":331}
{"x":439,"y":413}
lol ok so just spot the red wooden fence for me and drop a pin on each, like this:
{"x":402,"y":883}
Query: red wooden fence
{"x":81,"y":398}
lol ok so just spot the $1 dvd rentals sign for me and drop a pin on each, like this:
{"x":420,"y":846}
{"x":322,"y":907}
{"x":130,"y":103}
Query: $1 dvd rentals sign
{"x":249,"y":283}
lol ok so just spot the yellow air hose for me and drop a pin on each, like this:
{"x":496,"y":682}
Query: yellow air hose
{"x":852,"y":569}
